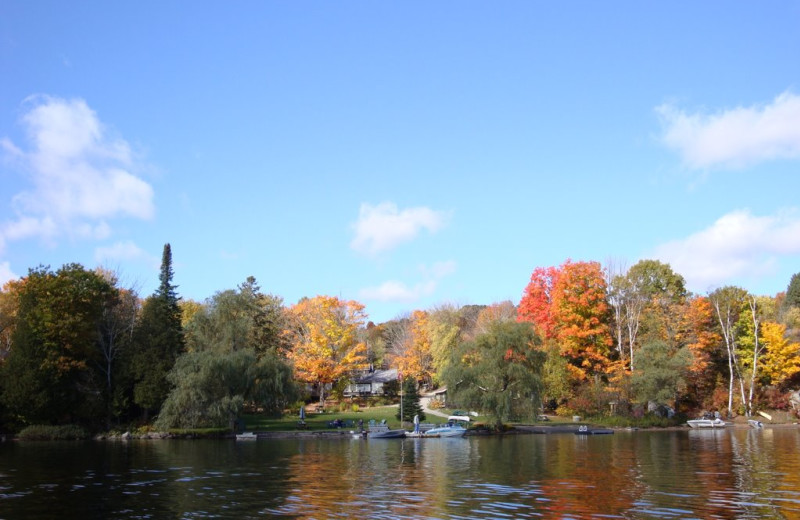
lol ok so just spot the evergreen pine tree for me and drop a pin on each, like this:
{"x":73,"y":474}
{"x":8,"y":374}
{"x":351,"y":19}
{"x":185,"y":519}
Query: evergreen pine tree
{"x":793,"y":292}
{"x":410,"y":402}
{"x":157,"y":342}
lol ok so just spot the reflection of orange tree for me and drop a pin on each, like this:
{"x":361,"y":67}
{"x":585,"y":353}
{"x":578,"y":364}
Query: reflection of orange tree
{"x":389,"y":478}
{"x":583,"y":478}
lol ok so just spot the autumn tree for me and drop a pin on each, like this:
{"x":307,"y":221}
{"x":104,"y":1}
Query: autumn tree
{"x":496,"y":312}
{"x":498,"y":372}
{"x":649,"y":294}
{"x":373,"y":336}
{"x":569,"y":305}
{"x":50,"y":375}
{"x":325,"y":341}
{"x":444,"y":331}
{"x":728,"y":303}
{"x":581,"y":310}
{"x":8,"y":315}
{"x":536,"y":305}
{"x":782,"y":358}
{"x":699,"y":333}
{"x":411,"y":350}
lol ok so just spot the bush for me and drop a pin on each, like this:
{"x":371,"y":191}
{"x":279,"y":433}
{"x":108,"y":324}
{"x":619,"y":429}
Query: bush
{"x":43,"y":432}
{"x":774,"y":399}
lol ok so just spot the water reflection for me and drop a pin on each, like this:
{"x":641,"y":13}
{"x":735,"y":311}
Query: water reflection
{"x":679,"y":474}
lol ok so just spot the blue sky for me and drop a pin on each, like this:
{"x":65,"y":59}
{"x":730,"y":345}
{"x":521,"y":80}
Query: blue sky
{"x":402,"y":154}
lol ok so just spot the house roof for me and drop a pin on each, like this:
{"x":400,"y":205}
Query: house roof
{"x":378,"y":376}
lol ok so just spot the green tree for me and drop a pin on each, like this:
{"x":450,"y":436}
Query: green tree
{"x":212,"y":388}
{"x":238,"y":319}
{"x":410,"y":402}
{"x":51,"y":373}
{"x":498,"y":372}
{"x":792,"y":298}
{"x":158,"y":340}
{"x":444,"y":329}
{"x":661,"y":372}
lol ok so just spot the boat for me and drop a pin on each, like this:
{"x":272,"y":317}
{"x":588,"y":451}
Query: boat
{"x":450,"y":429}
{"x":707,"y":423}
{"x":755,"y":423}
{"x":585,"y":430}
{"x":381,"y":431}
{"x":246,"y":436}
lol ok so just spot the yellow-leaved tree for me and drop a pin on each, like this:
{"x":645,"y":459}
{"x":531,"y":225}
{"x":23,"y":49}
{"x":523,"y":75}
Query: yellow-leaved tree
{"x":411,"y":356}
{"x":782,"y":359}
{"x":324,"y":340}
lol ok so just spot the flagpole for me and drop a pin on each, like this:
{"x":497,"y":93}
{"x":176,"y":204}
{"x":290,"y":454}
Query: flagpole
{"x":400,"y":376}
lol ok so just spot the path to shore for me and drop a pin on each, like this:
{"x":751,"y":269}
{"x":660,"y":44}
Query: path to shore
{"x":425,"y":403}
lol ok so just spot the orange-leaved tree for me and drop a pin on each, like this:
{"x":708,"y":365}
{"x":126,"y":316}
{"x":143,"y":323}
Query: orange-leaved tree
{"x":536,"y":305}
{"x":411,"y":356}
{"x":582,"y":315}
{"x":324,"y":339}
{"x":698,"y":331}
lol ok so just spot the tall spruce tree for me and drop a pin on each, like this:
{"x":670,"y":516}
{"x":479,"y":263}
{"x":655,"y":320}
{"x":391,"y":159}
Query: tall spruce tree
{"x":793,"y":292}
{"x":157,"y":342}
{"x":410,"y":402}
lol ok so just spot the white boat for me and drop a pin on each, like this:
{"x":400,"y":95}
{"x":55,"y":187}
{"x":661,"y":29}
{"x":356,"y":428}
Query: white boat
{"x":755,"y":423}
{"x":381,"y":431}
{"x":451,"y":429}
{"x":707,"y":423}
{"x":246,"y":436}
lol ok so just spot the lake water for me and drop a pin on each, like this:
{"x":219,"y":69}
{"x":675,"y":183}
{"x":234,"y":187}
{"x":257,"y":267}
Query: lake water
{"x":734,"y":473}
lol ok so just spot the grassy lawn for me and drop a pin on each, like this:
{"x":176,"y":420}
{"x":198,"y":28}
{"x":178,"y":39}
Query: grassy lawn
{"x":319,"y":421}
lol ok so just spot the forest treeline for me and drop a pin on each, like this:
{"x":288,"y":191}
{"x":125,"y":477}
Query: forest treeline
{"x":77,"y":348}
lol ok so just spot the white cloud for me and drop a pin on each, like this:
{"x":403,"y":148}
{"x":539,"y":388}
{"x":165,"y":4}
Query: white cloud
{"x":736,"y":137}
{"x":125,"y":250}
{"x":81,"y":176}
{"x":6,"y":274}
{"x":384,"y":227}
{"x":738,"y":244}
{"x":395,"y":291}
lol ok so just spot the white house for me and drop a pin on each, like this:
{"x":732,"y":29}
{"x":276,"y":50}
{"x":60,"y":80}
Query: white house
{"x":371,"y":383}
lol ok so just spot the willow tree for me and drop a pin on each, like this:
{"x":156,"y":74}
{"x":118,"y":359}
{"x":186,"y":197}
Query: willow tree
{"x":499,"y":372}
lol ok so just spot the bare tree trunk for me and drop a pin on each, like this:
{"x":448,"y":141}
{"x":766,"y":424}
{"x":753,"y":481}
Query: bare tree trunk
{"x":756,"y":354}
{"x":727,"y":333}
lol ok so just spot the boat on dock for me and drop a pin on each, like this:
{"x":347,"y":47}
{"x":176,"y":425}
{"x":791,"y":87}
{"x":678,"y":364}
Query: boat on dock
{"x":708,"y":423}
{"x":585,"y":430}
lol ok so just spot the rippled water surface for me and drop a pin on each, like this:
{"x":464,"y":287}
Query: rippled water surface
{"x":735,"y":473}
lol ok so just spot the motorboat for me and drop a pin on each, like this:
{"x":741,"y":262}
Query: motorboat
{"x":381,"y":431}
{"x":450,"y":429}
{"x":246,"y":436}
{"x":754,"y":423}
{"x":708,"y":423}
{"x":585,"y":430}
